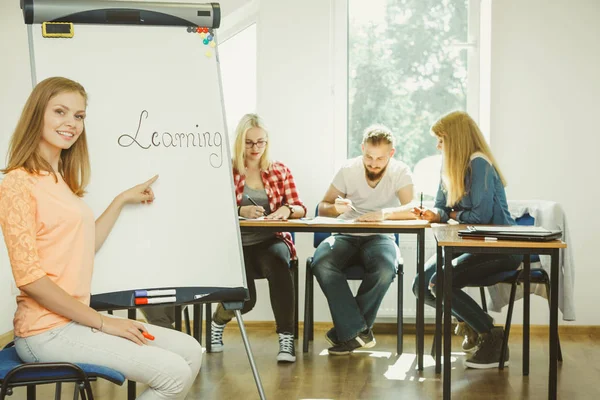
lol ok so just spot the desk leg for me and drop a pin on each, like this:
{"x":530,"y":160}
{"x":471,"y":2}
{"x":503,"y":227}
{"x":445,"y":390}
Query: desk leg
{"x":448,"y":255}
{"x":526,"y":310}
{"x":438,"y":312}
{"x":421,"y":299}
{"x":552,"y":379}
{"x":238,"y":316}
{"x":131,"y":385}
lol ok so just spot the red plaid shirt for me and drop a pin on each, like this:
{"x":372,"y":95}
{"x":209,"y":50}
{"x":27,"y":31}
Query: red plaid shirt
{"x":280,"y":188}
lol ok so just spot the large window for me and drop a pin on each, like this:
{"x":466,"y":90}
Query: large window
{"x":409,"y":63}
{"x":238,"y":69}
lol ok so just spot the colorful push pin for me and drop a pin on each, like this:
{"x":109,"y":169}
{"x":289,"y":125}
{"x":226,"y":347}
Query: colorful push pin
{"x":206,"y":41}
{"x":213,"y":44}
{"x":208,"y":54}
{"x":203,"y":35}
{"x":190,"y":29}
{"x":198,"y":29}
{"x":209,"y":37}
{"x":205,"y":30}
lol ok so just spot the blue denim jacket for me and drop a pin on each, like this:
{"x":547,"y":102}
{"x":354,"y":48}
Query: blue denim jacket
{"x":484,"y":201}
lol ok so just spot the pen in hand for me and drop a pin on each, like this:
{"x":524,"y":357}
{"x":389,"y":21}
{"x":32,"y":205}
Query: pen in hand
{"x":253,"y":202}
{"x":351,"y":206}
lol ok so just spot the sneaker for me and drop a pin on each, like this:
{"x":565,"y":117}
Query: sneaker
{"x":469,"y":343}
{"x":287,"y":349}
{"x":364,"y":340}
{"x":216,"y":337}
{"x":489,"y":348}
{"x":331,"y":337}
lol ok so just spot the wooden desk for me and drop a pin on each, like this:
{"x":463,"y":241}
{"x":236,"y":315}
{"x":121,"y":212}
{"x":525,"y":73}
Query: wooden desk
{"x":447,"y":239}
{"x":401,"y":227}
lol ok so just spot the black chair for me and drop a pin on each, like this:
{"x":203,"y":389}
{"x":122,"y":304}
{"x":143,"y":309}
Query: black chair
{"x":354,"y":272}
{"x":16,"y":373}
{"x":208,"y":307}
{"x":514,"y":278}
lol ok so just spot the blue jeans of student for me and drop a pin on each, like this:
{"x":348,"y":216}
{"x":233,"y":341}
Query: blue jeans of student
{"x":468,"y":270}
{"x":379,"y":255}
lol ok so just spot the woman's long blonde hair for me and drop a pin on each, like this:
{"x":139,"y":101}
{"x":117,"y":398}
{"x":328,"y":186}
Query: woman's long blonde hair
{"x":248,"y":122}
{"x":461,"y":138}
{"x":23,"y":151}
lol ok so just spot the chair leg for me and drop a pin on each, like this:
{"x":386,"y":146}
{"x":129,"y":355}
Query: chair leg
{"x":31,"y":392}
{"x":432,"y":352}
{"x":82,"y":390}
{"x":307,"y":305}
{"x":197,"y":311}
{"x":560,"y":357}
{"x":400,"y":311}
{"x":511,"y":304}
{"x":312,"y":307}
{"x":178,"y":318}
{"x":86,"y":391}
{"x":296,"y":297}
{"x":58,"y":391}
{"x":483,"y":301}
{"x":186,"y":316}
{"x":208,"y":311}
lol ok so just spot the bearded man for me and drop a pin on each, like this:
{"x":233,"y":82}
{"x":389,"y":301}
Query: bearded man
{"x":372,"y":187}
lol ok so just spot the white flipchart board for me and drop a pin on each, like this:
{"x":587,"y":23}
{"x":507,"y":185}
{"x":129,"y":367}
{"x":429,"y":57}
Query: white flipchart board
{"x":155,"y":107}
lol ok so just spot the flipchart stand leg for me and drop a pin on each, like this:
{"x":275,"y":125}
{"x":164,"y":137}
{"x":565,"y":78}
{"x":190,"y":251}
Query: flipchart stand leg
{"x":238,"y":316}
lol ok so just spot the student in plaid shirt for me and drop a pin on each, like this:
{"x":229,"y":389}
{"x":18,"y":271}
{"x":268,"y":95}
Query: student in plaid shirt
{"x":264,"y":188}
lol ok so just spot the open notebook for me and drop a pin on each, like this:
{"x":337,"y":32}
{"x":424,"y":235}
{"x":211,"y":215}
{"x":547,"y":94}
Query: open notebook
{"x":515,"y":232}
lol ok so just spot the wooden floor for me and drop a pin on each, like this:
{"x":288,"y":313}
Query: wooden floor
{"x":376,"y":374}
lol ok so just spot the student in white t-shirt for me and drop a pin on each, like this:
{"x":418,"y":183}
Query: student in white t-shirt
{"x":372,"y":187}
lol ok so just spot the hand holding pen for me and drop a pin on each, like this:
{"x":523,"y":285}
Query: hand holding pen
{"x":252,"y":212}
{"x":425,"y":213}
{"x":343,"y":205}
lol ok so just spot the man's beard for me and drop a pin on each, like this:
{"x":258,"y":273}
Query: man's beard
{"x":374,"y":176}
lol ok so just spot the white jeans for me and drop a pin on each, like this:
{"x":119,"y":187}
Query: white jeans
{"x":168,"y":365}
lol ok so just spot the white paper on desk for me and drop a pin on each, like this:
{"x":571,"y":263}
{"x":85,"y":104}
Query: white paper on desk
{"x":324,"y":221}
{"x":330,"y":220}
{"x":409,"y":222}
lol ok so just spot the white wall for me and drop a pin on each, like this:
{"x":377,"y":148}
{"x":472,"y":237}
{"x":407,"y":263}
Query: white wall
{"x":15,"y":85}
{"x":544,"y":88}
{"x":545,"y":98}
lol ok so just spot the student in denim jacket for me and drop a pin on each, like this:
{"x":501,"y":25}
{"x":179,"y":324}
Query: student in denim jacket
{"x":471,"y":191}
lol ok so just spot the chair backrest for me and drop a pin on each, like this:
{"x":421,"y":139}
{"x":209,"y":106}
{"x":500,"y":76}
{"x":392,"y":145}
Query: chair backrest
{"x":320,"y":236}
{"x":527,"y":220}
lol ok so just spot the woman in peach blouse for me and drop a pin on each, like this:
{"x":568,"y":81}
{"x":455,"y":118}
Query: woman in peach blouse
{"x":51,"y":237}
